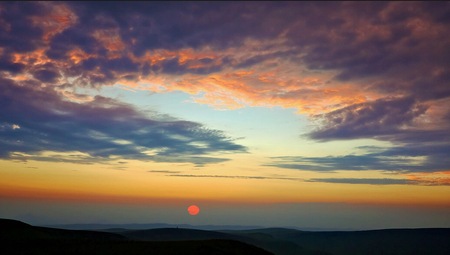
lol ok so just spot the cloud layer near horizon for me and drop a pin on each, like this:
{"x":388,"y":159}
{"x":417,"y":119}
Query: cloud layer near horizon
{"x":359,"y":70}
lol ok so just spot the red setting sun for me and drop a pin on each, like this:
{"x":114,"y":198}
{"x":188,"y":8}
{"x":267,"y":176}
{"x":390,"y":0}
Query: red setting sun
{"x":193,"y":210}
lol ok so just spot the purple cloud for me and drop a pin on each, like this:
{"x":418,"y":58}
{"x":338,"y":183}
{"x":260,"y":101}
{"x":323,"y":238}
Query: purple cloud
{"x":104,"y":129}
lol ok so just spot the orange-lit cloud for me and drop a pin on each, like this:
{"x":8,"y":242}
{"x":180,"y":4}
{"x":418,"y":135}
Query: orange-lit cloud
{"x":229,"y":89}
{"x":378,"y":73}
{"x":78,"y":55}
{"x":266,"y":72}
{"x":432,"y":179}
{"x":110,"y":39}
{"x":59,"y":19}
{"x":374,"y":73}
{"x":266,"y":78}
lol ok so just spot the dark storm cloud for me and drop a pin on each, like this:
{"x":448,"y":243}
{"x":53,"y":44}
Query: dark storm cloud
{"x":36,"y":119}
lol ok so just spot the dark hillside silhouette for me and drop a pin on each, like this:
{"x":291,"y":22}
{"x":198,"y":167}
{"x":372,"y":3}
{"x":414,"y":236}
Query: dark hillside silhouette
{"x":20,"y":238}
{"x":267,"y":242}
{"x":434,"y":241}
{"x":13,"y":230}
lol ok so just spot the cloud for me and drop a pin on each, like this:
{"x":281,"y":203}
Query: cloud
{"x":402,"y":120}
{"x":418,"y":132}
{"x":102,"y":129}
{"x":384,"y":181}
{"x":235,"y":177}
{"x":356,"y":50}
{"x":432,"y":179}
{"x":46,"y":75}
{"x":348,"y":162}
{"x":383,"y":117}
{"x":363,"y":70}
{"x":408,"y":159}
{"x":425,"y":179}
{"x":163,"y":171}
{"x":18,"y":32}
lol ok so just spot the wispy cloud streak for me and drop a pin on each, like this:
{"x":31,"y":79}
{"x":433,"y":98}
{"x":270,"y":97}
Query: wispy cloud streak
{"x":235,"y":177}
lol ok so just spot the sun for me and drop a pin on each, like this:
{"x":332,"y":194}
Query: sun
{"x":193,"y":210}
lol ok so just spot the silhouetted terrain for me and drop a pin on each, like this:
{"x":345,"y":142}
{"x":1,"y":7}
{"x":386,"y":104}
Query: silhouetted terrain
{"x":148,"y":226}
{"x":136,"y":226}
{"x":13,"y":230}
{"x":388,"y":241}
{"x":175,"y":234}
{"x":26,"y":239}
{"x":264,"y":241}
{"x":20,"y":238}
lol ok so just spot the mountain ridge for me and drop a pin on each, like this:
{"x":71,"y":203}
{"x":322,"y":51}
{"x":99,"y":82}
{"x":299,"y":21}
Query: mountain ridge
{"x":278,"y":241}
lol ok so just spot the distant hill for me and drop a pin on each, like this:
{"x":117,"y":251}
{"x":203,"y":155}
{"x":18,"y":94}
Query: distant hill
{"x":389,"y":241}
{"x":19,"y":238}
{"x":267,"y":242}
{"x":95,"y":226}
{"x":12,"y":229}
{"x":278,"y":241}
{"x":176,"y":234}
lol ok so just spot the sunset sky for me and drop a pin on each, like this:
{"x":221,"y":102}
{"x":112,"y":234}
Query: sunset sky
{"x":307,"y":115}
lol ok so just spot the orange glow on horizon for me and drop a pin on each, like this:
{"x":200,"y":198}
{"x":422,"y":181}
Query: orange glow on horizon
{"x":243,"y":192}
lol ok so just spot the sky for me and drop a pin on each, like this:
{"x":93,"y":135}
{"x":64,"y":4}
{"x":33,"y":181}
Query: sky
{"x":298,"y":114}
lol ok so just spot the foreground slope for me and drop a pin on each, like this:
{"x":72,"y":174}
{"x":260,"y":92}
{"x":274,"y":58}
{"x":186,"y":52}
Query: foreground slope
{"x":434,"y":241}
{"x":20,"y":238}
{"x":17,"y":230}
{"x":26,"y":239}
{"x":267,"y":242}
